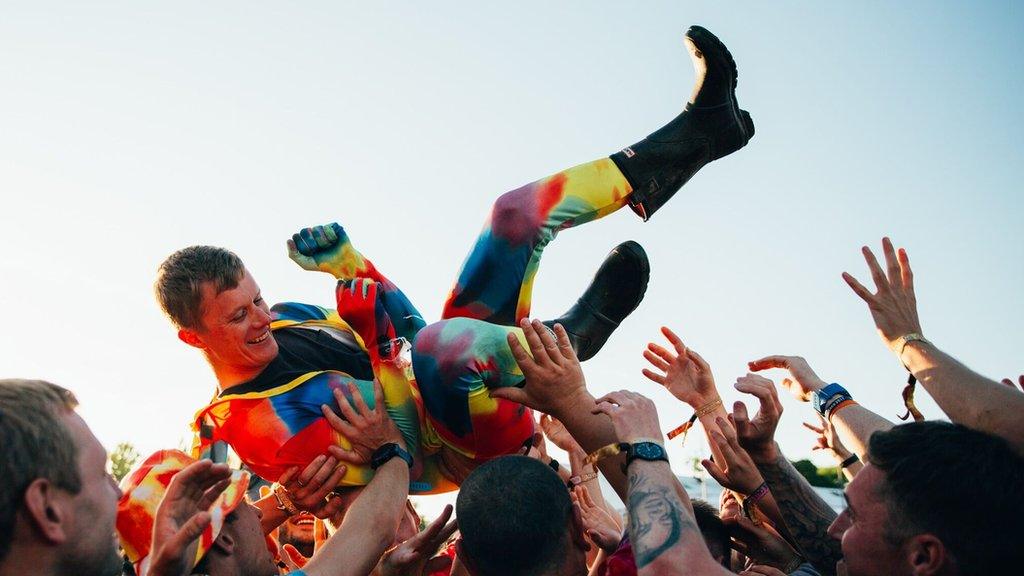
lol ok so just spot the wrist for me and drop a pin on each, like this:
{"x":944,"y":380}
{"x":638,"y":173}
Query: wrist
{"x":765,"y":454}
{"x":567,"y":405}
{"x":703,"y":401}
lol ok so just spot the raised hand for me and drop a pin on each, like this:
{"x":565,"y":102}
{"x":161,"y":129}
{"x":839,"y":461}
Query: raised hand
{"x":414,"y":557}
{"x":366,"y":429}
{"x":553,"y":376}
{"x":598,"y":525}
{"x":761,"y":543}
{"x":183,"y":515}
{"x":737,"y":472}
{"x":633,"y":415}
{"x":326,"y":249}
{"x":684,"y":373}
{"x":309,"y":490}
{"x":757,"y":435}
{"x":556,"y":432}
{"x":893,"y":306}
{"x":804,"y":381}
{"x":827,"y":439}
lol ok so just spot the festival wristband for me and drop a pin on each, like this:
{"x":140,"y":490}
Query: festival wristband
{"x":284,"y":503}
{"x":683,"y":428}
{"x":605,"y":452}
{"x":853,"y":459}
{"x":755,"y":496}
{"x":577,"y":480}
{"x":845,"y":403}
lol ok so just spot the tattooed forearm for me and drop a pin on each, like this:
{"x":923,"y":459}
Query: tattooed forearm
{"x":657,"y":520}
{"x":807,"y":516}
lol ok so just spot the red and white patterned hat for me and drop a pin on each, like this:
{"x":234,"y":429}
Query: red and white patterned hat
{"x":143,"y":490}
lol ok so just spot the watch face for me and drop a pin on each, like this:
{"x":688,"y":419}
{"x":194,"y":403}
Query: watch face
{"x":649,"y":451}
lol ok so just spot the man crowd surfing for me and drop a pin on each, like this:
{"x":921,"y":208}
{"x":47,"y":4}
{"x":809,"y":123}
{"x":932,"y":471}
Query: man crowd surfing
{"x":342,"y":414}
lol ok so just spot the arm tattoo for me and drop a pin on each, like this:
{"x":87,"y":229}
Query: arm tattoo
{"x":807,"y":516}
{"x":656,"y":519}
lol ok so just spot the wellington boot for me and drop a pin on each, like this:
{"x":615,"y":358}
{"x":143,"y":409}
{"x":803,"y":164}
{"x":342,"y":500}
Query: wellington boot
{"x":710,"y":127}
{"x":617,"y":289}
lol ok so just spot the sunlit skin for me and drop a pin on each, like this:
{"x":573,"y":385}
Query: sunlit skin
{"x":92,"y":538}
{"x":234,"y":333}
{"x":861,"y":528}
{"x":242,"y":541}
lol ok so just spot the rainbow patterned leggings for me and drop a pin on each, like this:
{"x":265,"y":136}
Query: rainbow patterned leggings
{"x":459,"y":358}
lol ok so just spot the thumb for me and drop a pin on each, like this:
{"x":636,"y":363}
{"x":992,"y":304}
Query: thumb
{"x":510,"y":393}
{"x":438,"y":564}
{"x":741,"y":419}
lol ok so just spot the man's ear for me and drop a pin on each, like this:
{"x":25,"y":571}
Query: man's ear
{"x":224,"y":543}
{"x":191,"y":338}
{"x":48,"y":510}
{"x":926,"y":555}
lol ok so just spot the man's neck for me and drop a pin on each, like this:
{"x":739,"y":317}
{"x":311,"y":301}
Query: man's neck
{"x":22,"y":560}
{"x":229,"y":376}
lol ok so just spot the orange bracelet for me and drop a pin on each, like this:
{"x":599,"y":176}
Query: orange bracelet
{"x":839,"y":407}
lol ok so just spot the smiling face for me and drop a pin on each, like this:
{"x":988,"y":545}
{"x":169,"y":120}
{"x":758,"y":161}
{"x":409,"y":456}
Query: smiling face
{"x":862,"y":527}
{"x":234,"y":332}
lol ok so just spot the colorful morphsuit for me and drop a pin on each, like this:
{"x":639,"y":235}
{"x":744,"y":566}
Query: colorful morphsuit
{"x":440,"y":402}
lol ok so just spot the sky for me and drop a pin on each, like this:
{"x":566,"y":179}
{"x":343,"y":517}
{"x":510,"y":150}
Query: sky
{"x":128,"y":131}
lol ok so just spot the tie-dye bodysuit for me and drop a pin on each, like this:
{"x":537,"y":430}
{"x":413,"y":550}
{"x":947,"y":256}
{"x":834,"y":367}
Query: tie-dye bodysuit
{"x":440,"y":402}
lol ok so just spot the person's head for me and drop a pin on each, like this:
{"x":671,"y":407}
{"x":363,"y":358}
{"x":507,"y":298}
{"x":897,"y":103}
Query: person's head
{"x":217,"y":307}
{"x":57,"y":501}
{"x":919,"y":506}
{"x":228,"y":539}
{"x":516,"y":517}
{"x":714,"y":531}
{"x":298,"y":531}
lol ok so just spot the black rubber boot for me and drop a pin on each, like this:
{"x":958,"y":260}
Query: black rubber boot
{"x":710,"y":127}
{"x":617,"y":289}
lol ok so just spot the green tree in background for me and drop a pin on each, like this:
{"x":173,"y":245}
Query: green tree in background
{"x":820,"y":477}
{"x":122,"y":459}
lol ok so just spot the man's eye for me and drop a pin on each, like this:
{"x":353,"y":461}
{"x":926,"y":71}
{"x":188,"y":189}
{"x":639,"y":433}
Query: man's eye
{"x":258,"y":301}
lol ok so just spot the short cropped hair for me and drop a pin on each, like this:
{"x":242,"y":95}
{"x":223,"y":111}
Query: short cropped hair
{"x":939,"y":477}
{"x":34,"y":443}
{"x":180,"y":279}
{"x":514,"y":515}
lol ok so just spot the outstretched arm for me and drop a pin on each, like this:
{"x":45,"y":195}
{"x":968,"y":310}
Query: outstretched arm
{"x":328,"y":249}
{"x":554,"y":384}
{"x":853,"y":423}
{"x":965,"y":396}
{"x":371,"y":522}
{"x":807,"y":517}
{"x":662,"y":527}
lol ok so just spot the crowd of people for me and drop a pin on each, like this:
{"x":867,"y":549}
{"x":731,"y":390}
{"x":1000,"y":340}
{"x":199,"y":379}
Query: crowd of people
{"x":343,"y":414}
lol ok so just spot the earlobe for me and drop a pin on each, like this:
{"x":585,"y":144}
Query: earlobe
{"x":926,"y":555}
{"x":45,"y":510}
{"x":191,"y":338}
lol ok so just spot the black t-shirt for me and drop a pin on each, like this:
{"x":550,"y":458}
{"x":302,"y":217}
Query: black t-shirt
{"x":304,"y":350}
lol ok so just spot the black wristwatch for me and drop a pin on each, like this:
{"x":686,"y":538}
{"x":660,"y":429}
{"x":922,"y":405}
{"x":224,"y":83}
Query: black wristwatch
{"x":649,"y":451}
{"x":387,"y":452}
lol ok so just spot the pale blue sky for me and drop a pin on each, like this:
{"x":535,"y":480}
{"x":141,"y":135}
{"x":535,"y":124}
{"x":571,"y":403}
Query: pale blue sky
{"x":130,"y":130}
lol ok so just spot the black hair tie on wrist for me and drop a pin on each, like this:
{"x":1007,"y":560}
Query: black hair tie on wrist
{"x":853,"y":459}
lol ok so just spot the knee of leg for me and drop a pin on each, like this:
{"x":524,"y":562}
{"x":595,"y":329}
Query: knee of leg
{"x":513,"y":214}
